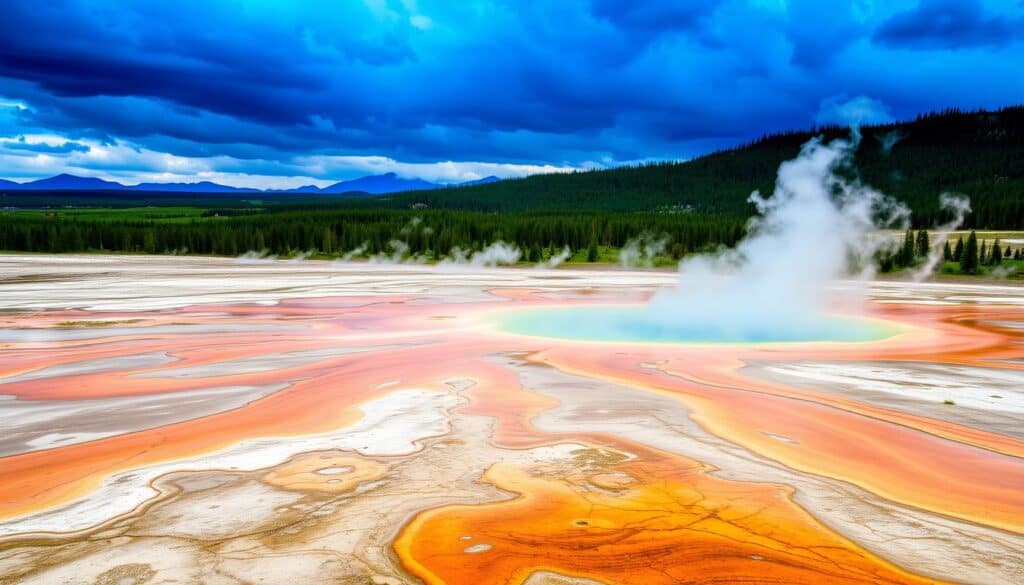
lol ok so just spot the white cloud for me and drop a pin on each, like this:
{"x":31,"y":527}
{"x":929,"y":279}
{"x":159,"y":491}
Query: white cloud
{"x":129,"y":163}
{"x":441,"y":172}
{"x":15,"y":104}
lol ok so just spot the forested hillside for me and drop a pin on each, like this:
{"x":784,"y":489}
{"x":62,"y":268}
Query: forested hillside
{"x":980,"y":154}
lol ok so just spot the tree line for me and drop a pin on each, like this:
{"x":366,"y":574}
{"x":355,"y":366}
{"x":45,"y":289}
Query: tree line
{"x":969,"y":256}
{"x":329,"y":231}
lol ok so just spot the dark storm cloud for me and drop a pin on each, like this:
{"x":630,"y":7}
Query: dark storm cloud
{"x":949,"y":24}
{"x":653,"y":16}
{"x":571,"y":82}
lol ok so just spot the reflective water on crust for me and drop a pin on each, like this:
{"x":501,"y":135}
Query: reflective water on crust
{"x":638,"y":324}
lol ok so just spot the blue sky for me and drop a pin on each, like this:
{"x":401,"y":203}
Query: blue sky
{"x":279,"y":94}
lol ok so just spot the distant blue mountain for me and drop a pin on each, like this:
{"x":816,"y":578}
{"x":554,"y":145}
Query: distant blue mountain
{"x":378,"y":184}
{"x":303,"y":189}
{"x":371,"y":184}
{"x":483,"y":181}
{"x":200,"y":187}
{"x":69,"y":182}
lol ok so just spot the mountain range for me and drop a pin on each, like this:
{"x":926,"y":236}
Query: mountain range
{"x":371,"y":184}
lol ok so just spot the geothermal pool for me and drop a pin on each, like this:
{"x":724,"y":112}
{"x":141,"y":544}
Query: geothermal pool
{"x":191,"y":420}
{"x":640,"y":324}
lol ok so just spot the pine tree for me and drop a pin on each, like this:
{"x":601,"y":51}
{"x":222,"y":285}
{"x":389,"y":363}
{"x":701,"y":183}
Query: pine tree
{"x":958,"y":252}
{"x":907,"y":254}
{"x":923,"y":245}
{"x":983,"y":253}
{"x":149,"y":242}
{"x":969,"y":260}
{"x":592,"y":253}
{"x":327,"y":241}
{"x":535,"y":253}
{"x":997,"y":254}
{"x":885,"y":261}
{"x":947,"y":254}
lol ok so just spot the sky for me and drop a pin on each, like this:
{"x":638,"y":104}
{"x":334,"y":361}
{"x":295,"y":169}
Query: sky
{"x":280,"y":94}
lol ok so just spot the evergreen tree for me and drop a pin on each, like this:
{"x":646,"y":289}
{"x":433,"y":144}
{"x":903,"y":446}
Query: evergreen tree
{"x":592,"y":252}
{"x":149,"y":242}
{"x":947,"y":254}
{"x":535,"y":253}
{"x":327,"y":241}
{"x":958,"y":252}
{"x":907,"y":253}
{"x":923,"y":245}
{"x":983,"y":253}
{"x":885,"y":261}
{"x":677,"y":251}
{"x":997,"y":254}
{"x":969,"y":260}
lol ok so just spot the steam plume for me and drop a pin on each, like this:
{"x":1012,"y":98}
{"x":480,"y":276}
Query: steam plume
{"x":815,"y":228}
{"x":357,"y":251}
{"x":396,"y":251}
{"x":889,"y":140}
{"x":497,"y":253}
{"x":960,"y":205}
{"x":641,"y":250}
{"x":301,"y":257}
{"x":556,"y":259}
{"x":254,"y":257}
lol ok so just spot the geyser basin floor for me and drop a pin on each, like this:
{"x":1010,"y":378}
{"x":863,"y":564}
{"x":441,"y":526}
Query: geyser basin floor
{"x":638,"y":324}
{"x":383,"y":429}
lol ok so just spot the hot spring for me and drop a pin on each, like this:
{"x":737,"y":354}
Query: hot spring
{"x":637,"y":324}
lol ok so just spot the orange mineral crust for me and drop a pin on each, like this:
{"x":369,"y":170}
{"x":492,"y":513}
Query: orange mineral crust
{"x":527,"y":465}
{"x":325,"y":472}
{"x":647,"y":520}
{"x":317,"y":399}
{"x":913,"y":460}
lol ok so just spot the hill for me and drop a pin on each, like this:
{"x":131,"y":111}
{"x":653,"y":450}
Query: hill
{"x":370,"y":184}
{"x":377,"y":184}
{"x":65,"y":181}
{"x":978,"y":153}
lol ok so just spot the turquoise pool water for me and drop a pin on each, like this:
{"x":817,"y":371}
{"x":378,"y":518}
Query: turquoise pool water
{"x":638,"y":324}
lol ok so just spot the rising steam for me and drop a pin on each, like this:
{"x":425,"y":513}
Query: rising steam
{"x":815,"y":228}
{"x":556,"y":259}
{"x":888,"y":140}
{"x":960,"y":206}
{"x":497,"y":253}
{"x":396,"y":252}
{"x":641,"y":250}
{"x":354,"y":253}
{"x":301,"y":257}
{"x":254,"y":257}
